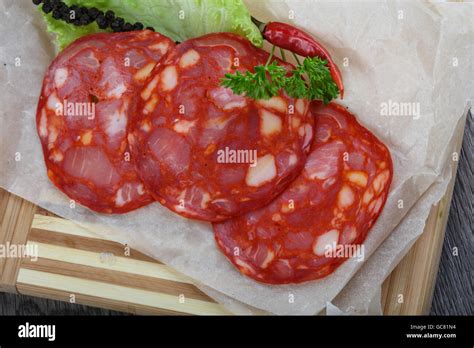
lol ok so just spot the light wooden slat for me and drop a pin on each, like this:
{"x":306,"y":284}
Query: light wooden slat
{"x":14,"y":228}
{"x":57,"y":224}
{"x":118,"y":263}
{"x":128,"y":280}
{"x":94,"y":301}
{"x":84,"y":243}
{"x":113,"y":292}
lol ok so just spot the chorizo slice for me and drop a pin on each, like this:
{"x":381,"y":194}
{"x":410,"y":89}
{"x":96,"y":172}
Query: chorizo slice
{"x":83,"y":116}
{"x":206,"y":153}
{"x":314,"y":225}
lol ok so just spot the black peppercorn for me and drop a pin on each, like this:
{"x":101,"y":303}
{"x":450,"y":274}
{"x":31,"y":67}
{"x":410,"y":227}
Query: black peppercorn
{"x":81,"y":11}
{"x":85,"y":19}
{"x":94,"y":12}
{"x":102,"y":22}
{"x":138,"y":26}
{"x":81,"y":15}
{"x":117,"y":24}
{"x":64,"y":12}
{"x":55,"y":4}
{"x":72,"y":14}
{"x":47,"y":8}
{"x":110,"y":15}
{"x":57,"y":14}
{"x":62,"y":7}
{"x":127,"y":27}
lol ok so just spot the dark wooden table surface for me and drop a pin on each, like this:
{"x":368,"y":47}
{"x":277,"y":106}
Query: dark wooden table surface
{"x":453,"y":293}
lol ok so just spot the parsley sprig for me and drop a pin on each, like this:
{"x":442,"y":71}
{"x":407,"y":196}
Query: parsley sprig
{"x":310,"y":80}
{"x":265,"y":82}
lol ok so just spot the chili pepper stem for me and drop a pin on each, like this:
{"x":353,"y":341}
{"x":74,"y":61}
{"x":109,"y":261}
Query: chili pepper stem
{"x":282,"y":52}
{"x":271,"y":56}
{"x":260,"y":25}
{"x":296,"y":58}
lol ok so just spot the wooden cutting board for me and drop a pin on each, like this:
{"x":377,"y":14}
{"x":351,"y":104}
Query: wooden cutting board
{"x":76,"y":265}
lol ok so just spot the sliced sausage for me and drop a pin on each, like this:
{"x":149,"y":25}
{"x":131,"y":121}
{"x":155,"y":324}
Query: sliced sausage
{"x":203,"y":151}
{"x":306,"y":232}
{"x":83,"y":115}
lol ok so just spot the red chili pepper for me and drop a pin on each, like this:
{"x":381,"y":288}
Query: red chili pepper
{"x":297,"y":41}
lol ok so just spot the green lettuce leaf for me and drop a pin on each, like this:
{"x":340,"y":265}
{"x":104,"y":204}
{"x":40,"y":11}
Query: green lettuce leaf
{"x":177,"y":19}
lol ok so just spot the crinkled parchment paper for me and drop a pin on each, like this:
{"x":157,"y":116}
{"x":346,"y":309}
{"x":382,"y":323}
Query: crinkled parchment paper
{"x":389,"y":52}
